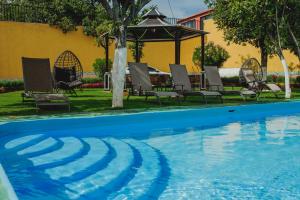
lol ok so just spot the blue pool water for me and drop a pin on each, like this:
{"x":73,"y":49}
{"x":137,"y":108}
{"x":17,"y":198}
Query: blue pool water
{"x":246,"y":152}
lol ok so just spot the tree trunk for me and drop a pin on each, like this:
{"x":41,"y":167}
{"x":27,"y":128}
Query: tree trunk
{"x":264,"y":62}
{"x":263,"y":57}
{"x":119,"y":69}
{"x":283,"y":61}
{"x":286,"y":74}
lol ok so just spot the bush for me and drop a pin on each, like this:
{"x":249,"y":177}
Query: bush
{"x":12,"y":84}
{"x":100,"y":67}
{"x":214,"y":55}
{"x":92,"y":83}
{"x":298,"y":79}
{"x":90,"y":80}
{"x":275,"y":78}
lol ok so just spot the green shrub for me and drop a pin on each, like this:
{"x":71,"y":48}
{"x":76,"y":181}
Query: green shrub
{"x":12,"y":84}
{"x":298,"y":79}
{"x":90,"y":80}
{"x":275,"y":78}
{"x":214,"y":55}
{"x":131,"y":47}
{"x":100,"y":67}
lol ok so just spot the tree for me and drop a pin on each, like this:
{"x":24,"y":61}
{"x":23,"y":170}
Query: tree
{"x":269,"y":25}
{"x":64,"y":14}
{"x":290,"y":15}
{"x":214,"y":55}
{"x":132,"y":49}
{"x":243,"y":22}
{"x":122,"y":13}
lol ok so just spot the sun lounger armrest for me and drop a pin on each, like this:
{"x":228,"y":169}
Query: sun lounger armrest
{"x":211,"y":87}
{"x":132,"y":86}
{"x":129,"y":87}
{"x":158,"y":87}
{"x":178,"y":85}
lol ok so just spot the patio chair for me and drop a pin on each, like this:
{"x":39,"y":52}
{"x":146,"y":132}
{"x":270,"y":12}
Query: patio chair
{"x":68,"y":72}
{"x":183,"y":85}
{"x":141,"y":84}
{"x":215,"y":84}
{"x":258,"y":86}
{"x":38,"y":83}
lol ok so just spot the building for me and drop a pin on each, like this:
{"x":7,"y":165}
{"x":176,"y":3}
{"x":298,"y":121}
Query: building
{"x":197,"y":21}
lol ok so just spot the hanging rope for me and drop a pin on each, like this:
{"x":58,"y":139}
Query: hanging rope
{"x":142,"y":36}
{"x":173,"y":36}
{"x":169,"y":1}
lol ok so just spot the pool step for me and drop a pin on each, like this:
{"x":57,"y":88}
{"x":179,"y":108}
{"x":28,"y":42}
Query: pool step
{"x":40,"y":148}
{"x":146,"y":175}
{"x":96,"y":156}
{"x":72,"y":149}
{"x":100,"y":183}
{"x":24,"y":142}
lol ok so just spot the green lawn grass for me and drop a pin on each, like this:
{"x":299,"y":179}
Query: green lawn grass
{"x":99,"y":101}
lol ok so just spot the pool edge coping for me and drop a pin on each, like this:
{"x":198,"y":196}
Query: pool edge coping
{"x":111,"y":114}
{"x":9,"y":191}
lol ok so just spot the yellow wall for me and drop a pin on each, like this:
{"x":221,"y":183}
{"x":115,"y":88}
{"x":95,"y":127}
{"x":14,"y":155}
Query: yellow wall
{"x":43,"y":41}
{"x":159,"y":55}
{"x":240,"y":52}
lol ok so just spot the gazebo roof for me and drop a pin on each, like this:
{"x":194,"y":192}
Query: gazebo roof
{"x":154,"y":28}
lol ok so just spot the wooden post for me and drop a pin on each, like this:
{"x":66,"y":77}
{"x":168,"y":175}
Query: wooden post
{"x":177,"y":49}
{"x":202,"y":51}
{"x":203,"y":79}
{"x":107,"y":53}
{"x":137,"y":56}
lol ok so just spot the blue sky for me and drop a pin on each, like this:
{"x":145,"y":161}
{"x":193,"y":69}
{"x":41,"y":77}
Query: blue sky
{"x":181,"y":8}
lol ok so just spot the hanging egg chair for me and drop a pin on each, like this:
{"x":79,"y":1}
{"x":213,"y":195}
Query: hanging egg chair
{"x":67,"y":72}
{"x":69,"y":61}
{"x":253,"y":65}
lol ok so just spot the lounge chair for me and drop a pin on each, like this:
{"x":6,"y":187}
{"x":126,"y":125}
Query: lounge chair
{"x":256,"y":85}
{"x":182,"y":84}
{"x":215,"y":84}
{"x":38,"y":83}
{"x":141,"y":84}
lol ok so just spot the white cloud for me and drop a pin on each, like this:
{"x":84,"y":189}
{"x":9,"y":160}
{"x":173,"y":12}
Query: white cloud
{"x":181,"y":8}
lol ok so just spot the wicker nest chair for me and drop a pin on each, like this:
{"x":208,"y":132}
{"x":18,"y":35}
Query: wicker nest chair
{"x":68,"y":72}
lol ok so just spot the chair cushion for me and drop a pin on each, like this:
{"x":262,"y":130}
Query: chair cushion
{"x":65,"y":74}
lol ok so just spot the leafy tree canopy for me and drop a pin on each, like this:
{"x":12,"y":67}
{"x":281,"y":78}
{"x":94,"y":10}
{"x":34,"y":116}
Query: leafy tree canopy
{"x":254,"y":22}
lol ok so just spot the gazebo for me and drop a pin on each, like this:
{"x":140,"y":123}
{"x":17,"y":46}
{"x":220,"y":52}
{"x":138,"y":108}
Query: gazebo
{"x":154,"y":28}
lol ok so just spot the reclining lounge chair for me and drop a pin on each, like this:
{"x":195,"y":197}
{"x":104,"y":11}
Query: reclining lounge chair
{"x":38,"y":83}
{"x":141,"y":84}
{"x":215,"y":84}
{"x":258,"y":86}
{"x":183,"y":85}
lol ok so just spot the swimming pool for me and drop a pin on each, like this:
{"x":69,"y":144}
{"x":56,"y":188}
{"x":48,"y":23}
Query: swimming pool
{"x":242,"y":152}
